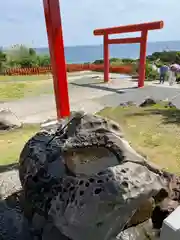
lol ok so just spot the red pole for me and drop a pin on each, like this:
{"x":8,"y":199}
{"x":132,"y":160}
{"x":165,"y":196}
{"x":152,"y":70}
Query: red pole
{"x":142,"y":62}
{"x":106,"y":58}
{"x":56,"y":47}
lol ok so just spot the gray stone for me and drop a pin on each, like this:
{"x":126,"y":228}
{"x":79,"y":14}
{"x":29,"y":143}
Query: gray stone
{"x":143,"y":213}
{"x":142,"y":231}
{"x":49,"y":125}
{"x":9,"y":183}
{"x":88,"y":180}
{"x":171,"y":105}
{"x":38,"y":221}
{"x":148,"y":102}
{"x":50,"y":232}
{"x":107,"y":203}
{"x":13,"y":225}
{"x":8,"y":120}
{"x":128,"y":104}
{"x":41,"y":154}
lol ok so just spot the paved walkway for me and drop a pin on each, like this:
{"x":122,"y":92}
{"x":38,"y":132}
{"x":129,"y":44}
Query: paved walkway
{"x":87,"y":93}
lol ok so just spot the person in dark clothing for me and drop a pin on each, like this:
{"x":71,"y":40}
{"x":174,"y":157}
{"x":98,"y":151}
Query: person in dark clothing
{"x":163,"y":72}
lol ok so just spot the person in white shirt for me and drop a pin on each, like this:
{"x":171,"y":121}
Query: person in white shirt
{"x":172,"y":76}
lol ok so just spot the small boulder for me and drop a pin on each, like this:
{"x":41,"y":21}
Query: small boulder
{"x":8,"y":120}
{"x":170,"y":105}
{"x":9,"y":182}
{"x":148,"y":102}
{"x":127,"y":104}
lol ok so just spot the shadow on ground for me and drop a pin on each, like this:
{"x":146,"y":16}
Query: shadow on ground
{"x":91,"y":85}
{"x":8,"y":167}
{"x":169,"y":115}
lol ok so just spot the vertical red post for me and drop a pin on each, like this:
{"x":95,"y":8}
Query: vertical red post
{"x":142,"y":62}
{"x":106,"y":58}
{"x":56,"y":47}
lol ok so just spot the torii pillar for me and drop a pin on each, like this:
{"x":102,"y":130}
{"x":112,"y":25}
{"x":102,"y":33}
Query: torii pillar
{"x":57,"y":55}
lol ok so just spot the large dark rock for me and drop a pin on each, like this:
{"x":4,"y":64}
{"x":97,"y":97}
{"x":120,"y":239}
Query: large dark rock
{"x":87,"y":179}
{"x":50,"y":232}
{"x":13,"y":224}
{"x":93,"y":205}
{"x":82,"y":180}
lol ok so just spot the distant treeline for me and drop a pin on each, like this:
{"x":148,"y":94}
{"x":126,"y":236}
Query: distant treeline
{"x":158,"y":58}
{"x":22,"y":57}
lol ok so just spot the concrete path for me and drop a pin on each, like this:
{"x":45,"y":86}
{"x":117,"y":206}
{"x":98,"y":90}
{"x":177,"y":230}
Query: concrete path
{"x":87,"y":93}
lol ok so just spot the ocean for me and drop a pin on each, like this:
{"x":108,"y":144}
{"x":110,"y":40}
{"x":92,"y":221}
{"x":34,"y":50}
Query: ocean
{"x":81,"y":54}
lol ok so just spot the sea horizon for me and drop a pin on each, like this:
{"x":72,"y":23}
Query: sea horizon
{"x":90,"y":53}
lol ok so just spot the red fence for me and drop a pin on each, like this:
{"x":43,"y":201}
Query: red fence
{"x":123,"y":69}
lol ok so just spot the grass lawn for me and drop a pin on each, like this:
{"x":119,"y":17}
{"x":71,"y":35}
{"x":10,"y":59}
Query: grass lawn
{"x":25,"y":78}
{"x":16,"y":87}
{"x":11,"y":143}
{"x":17,"y":90}
{"x":152,"y":131}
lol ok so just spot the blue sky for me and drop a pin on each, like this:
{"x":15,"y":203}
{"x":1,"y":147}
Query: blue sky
{"x":22,"y":21}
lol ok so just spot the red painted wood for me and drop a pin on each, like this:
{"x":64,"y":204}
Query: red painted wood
{"x":144,"y":28}
{"x":124,"y":40}
{"x":106,"y":59}
{"x":56,"y":48}
{"x":142,"y":67}
{"x":130,"y":28}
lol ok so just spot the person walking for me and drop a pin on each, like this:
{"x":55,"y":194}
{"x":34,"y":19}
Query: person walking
{"x":172,"y":76}
{"x":163,"y":73}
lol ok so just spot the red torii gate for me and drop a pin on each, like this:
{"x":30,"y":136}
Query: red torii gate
{"x":143,"y":28}
{"x":56,"y":47}
{"x":57,"y":55}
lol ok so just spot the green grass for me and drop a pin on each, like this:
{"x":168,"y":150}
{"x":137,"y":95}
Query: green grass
{"x":25,"y":78}
{"x":152,"y":131}
{"x":18,"y":90}
{"x":11,"y":143}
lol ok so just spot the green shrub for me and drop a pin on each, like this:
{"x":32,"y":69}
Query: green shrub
{"x":151,"y":74}
{"x":178,"y":78}
{"x":99,"y":61}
